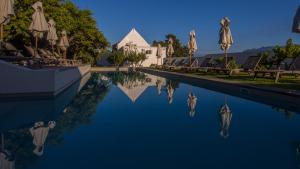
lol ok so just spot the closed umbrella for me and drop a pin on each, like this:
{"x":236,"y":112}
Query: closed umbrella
{"x":226,"y":39}
{"x":170,"y":50}
{"x":64,"y":43}
{"x":192,"y":45}
{"x":39,"y":24}
{"x":40,"y":133}
{"x":52,"y":36}
{"x":6,"y":11}
{"x":159,"y":52}
{"x":296,"y":24}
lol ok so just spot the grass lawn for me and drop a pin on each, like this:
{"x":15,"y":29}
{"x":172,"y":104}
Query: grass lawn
{"x":285,"y":82}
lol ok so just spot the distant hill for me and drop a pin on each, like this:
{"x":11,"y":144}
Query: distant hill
{"x":259,"y":50}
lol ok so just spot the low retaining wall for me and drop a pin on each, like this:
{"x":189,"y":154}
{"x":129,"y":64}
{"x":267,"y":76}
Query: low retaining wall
{"x":277,"y":98}
{"x":16,"y":80}
{"x":108,"y":69}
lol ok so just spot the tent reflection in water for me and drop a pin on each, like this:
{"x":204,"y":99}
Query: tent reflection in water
{"x":39,"y":133}
{"x":192,"y":103}
{"x":7,"y":160}
{"x":170,"y":91}
{"x":225,"y":119}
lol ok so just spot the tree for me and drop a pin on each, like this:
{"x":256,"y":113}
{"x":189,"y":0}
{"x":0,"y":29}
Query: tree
{"x":265,"y":60}
{"x":84,"y":36}
{"x":289,"y":51}
{"x":180,"y":50}
{"x":117,"y":58}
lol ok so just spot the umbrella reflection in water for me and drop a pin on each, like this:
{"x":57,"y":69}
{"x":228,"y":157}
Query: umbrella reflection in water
{"x":159,"y":86}
{"x":170,"y":90}
{"x":225,"y":119}
{"x":192,"y":103}
{"x":39,"y":133}
{"x":7,"y":159}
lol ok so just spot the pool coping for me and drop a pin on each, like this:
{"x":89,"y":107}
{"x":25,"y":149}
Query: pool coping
{"x":194,"y":78}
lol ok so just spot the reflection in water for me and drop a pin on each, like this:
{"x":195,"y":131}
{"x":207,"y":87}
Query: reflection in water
{"x":134,"y":84}
{"x":170,"y":91}
{"x":192,"y":103}
{"x":225,"y":117}
{"x":24,"y":145}
{"x":40,"y":133}
{"x":7,"y":159}
{"x":159,"y":86}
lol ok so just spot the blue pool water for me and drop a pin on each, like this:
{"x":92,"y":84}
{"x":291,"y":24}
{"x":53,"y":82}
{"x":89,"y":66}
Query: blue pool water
{"x":121,"y":121}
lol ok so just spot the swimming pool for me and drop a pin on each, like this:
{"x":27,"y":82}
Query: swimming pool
{"x":137,"y":120}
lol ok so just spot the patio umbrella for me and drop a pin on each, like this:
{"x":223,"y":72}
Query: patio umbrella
{"x":52,"y":36}
{"x":170,"y":93}
{"x":64,"y":43}
{"x":39,"y":24}
{"x":6,"y":11}
{"x":226,"y":39}
{"x":192,"y":45}
{"x":296,"y":24}
{"x":225,"y":118}
{"x":192,"y":103}
{"x":159,"y":52}
{"x":170,"y":50}
{"x":39,"y":133}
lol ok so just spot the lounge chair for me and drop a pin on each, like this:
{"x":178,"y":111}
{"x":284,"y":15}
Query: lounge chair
{"x":252,"y":64}
{"x":220,"y":67}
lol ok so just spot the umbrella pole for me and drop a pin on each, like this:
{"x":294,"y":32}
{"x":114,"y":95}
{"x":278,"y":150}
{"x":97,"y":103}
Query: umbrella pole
{"x":225,"y":58}
{"x":52,"y":49}
{"x":36,"y":46}
{"x":1,"y":36}
{"x":191,"y":60}
{"x":2,"y":141}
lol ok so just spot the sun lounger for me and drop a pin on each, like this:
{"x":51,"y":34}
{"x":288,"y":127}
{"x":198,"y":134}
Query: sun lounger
{"x":252,"y":64}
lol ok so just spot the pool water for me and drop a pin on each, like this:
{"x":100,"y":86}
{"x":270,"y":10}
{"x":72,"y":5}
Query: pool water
{"x":141,"y":121}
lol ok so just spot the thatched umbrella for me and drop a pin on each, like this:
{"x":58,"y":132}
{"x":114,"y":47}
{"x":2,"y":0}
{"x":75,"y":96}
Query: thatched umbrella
{"x":6,"y":11}
{"x":296,"y":24}
{"x":52,"y":36}
{"x":64,"y":43}
{"x":192,"y":45}
{"x":39,"y":24}
{"x":170,"y":50}
{"x":226,"y":39}
{"x":159,"y":52}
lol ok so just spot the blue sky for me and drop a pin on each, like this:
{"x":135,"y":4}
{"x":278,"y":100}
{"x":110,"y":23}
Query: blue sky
{"x":255,"y":23}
